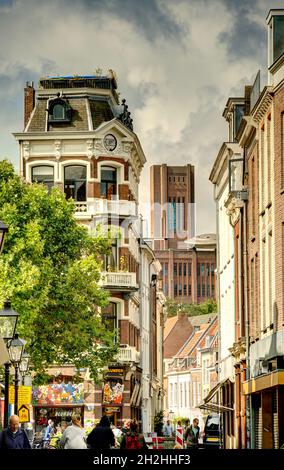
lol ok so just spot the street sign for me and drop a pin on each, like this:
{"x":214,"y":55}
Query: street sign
{"x":24,"y":395}
{"x":24,"y":414}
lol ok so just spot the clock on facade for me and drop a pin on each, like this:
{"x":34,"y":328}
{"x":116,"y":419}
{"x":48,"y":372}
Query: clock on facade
{"x":110,"y":142}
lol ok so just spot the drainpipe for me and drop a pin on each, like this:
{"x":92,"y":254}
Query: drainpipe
{"x":248,"y":399}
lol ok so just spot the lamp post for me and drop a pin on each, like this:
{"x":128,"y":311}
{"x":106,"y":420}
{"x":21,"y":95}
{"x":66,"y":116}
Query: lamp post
{"x":8,"y":323}
{"x":16,"y":347}
{"x":24,"y":365}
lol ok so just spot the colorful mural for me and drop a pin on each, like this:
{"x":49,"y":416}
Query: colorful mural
{"x":113,"y":392}
{"x":58,"y":394}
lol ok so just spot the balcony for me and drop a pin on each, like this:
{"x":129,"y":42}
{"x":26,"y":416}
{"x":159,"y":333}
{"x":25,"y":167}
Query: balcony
{"x":115,"y":207}
{"x":128,"y":354}
{"x":123,"y":281}
{"x":105,"y":207}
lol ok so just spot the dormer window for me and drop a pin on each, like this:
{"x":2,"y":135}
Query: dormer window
{"x":59,"y":111}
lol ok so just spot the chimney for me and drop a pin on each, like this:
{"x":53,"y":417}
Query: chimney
{"x":29,"y":101}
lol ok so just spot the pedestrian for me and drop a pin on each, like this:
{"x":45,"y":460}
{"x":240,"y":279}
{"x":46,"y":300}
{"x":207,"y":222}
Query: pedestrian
{"x":192,"y":435}
{"x":168,"y":429}
{"x":14,"y":437}
{"x":74,"y":435}
{"x":132,"y":439}
{"x":101,"y":437}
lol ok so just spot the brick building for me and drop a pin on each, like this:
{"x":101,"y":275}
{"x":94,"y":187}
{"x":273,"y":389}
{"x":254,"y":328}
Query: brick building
{"x":254,"y":204}
{"x":188,"y":262}
{"x":78,"y":137}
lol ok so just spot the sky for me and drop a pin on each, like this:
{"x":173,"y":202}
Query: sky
{"x":177,"y":62}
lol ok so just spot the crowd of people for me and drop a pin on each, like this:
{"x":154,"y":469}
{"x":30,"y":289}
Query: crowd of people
{"x":103,"y":436}
{"x":190,"y":433}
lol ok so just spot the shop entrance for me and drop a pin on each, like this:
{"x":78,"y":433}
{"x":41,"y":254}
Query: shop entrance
{"x":60,"y":416}
{"x":113,"y":413}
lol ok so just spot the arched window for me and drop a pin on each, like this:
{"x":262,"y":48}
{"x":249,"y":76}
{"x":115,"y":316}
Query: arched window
{"x":43,"y":174}
{"x":75,"y":182}
{"x":108,"y":182}
{"x":109,"y":316}
{"x":59,"y":110}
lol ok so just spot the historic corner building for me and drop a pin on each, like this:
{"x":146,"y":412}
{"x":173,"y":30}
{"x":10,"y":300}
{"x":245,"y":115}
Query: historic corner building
{"x":79,"y":138}
{"x":188,"y":261}
{"x":248,"y":179}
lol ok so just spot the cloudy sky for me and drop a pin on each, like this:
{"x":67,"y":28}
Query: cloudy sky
{"x":177,"y":62}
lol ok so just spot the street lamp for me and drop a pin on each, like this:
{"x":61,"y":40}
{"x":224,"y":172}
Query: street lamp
{"x":16,"y":347}
{"x":8,"y":321}
{"x":24,"y":365}
{"x":3,"y":231}
{"x":171,"y":415}
{"x":8,"y":324}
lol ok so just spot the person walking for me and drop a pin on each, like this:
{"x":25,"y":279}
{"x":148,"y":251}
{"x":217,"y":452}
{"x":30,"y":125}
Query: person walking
{"x":192,"y":435}
{"x":168,"y":429}
{"x":74,"y":435}
{"x":101,"y":437}
{"x":14,"y":437}
{"x":132,"y":439}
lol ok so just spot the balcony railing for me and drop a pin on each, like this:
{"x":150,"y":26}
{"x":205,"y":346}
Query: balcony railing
{"x":128,"y":354}
{"x":119,"y":207}
{"x":104,"y":206}
{"x":119,"y":280}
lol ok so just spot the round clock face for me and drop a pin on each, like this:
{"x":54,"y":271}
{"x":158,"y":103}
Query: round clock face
{"x":110,"y":142}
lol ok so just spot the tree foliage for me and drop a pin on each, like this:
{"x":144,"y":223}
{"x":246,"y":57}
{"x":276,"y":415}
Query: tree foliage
{"x":173,"y":307}
{"x":49,"y":269}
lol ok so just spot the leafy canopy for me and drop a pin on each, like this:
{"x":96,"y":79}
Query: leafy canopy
{"x":173,"y":307}
{"x":49,"y":269}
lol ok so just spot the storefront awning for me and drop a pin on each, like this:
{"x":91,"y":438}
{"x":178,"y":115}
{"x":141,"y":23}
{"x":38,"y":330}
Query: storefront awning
{"x":273,"y":379}
{"x":212,"y":406}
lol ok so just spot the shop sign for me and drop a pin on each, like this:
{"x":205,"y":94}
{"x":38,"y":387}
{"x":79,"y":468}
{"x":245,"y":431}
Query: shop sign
{"x":24,"y":394}
{"x":63,"y":413}
{"x":58,"y":394}
{"x":24,"y":414}
{"x":112,"y":409}
{"x":114,"y":371}
{"x":113,"y":392}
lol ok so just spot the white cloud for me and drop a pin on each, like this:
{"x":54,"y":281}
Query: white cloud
{"x":176,"y":87}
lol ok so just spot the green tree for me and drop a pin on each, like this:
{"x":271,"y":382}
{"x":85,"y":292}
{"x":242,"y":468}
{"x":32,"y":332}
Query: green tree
{"x":159,"y":422}
{"x":50,"y":268}
{"x":173,"y":307}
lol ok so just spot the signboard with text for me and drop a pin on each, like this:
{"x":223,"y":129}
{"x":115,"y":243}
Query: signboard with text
{"x":24,"y":395}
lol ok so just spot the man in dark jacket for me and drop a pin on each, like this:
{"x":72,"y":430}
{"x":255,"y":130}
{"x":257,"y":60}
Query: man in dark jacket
{"x":192,"y":435}
{"x":14,"y":437}
{"x":101,"y":437}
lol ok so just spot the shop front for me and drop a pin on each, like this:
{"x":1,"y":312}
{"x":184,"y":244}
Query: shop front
{"x":113,"y":394}
{"x":57,"y":401}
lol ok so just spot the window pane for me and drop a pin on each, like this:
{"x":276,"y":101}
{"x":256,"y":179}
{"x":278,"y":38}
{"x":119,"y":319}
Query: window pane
{"x":108,"y":174}
{"x":43,"y":174}
{"x":75,"y":182}
{"x":58,"y":111}
{"x":75,"y":172}
{"x":43,"y":171}
{"x":278,"y":39}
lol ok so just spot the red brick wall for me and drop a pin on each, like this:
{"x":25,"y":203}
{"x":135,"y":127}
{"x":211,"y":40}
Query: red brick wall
{"x":279,"y":203}
{"x":29,"y":102}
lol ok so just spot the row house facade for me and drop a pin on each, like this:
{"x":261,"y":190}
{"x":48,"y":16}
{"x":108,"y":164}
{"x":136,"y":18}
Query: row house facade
{"x":255,"y":210}
{"x":191,"y":372}
{"x":79,"y":138}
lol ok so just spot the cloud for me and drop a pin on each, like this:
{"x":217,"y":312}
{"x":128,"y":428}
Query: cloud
{"x":177,"y":64}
